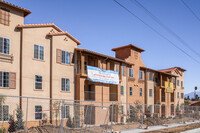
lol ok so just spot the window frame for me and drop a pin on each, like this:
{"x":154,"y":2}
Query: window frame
{"x":141,"y":92}
{"x":3,"y":79}
{"x":181,"y":83}
{"x":38,"y":112}
{"x":2,"y":114}
{"x":182,"y":95}
{"x":66,"y":56}
{"x":39,"y":51}
{"x":178,"y":83}
{"x":177,"y":94}
{"x":130,"y":91}
{"x":151,"y":94}
{"x":122,"y":109}
{"x":3,"y":46}
{"x":131,"y":72}
{"x":150,"y":76}
{"x":39,"y":82}
{"x":65,"y":85}
{"x":122,"y":70}
{"x":65,"y":115}
{"x":140,"y":74}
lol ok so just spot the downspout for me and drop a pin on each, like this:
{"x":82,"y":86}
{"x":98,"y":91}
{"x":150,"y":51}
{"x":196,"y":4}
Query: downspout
{"x":51,"y":72}
{"x":20,"y":69}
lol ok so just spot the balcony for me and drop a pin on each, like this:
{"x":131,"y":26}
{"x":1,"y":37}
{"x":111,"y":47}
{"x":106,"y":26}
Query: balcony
{"x":89,"y":95}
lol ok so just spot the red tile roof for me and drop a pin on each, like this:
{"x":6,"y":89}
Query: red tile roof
{"x":64,"y":33}
{"x":39,"y":25}
{"x":130,"y":45}
{"x":102,"y":55}
{"x":26,"y":11}
{"x":171,"y":69}
{"x":158,"y":71}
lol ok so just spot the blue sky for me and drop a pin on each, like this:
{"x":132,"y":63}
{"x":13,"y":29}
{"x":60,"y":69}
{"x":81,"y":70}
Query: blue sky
{"x":101,"y":25}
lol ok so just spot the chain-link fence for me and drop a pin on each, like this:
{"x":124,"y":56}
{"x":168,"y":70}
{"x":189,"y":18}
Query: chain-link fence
{"x":30,"y":114}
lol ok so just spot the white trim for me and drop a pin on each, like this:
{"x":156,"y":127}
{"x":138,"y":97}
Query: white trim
{"x":2,"y":112}
{"x":38,"y":82}
{"x":38,"y":52}
{"x":35,"y":113}
{"x":3,"y":79}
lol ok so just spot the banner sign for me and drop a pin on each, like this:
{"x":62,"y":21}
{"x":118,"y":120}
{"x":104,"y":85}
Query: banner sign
{"x":96,"y":74}
{"x":169,"y":87}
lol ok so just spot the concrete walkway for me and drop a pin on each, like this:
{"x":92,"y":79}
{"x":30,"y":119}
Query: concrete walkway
{"x":197,"y":130}
{"x":152,"y":128}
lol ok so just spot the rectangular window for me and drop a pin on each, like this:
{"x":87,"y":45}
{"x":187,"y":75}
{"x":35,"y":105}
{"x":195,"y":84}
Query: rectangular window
{"x":122,"y":109}
{"x":65,"y":111}
{"x":38,"y":52}
{"x":181,"y":83}
{"x":177,"y":82}
{"x":122,"y":90}
{"x":122,"y":70}
{"x":140,"y":91}
{"x":140,"y":75}
{"x":131,"y":91}
{"x":130,"y":72}
{"x":4,"y":16}
{"x":150,"y":76}
{"x":182,"y":95}
{"x":150,"y":92}
{"x":38,"y":112}
{"x":4,"y":45}
{"x":65,"y":84}
{"x":38,"y":82}
{"x":4,"y":112}
{"x":4,"y":79}
{"x":150,"y":108}
{"x":177,"y":94}
{"x":65,"y":57}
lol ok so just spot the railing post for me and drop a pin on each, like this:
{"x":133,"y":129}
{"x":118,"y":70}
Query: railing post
{"x":26,"y":115}
{"x":62,"y":116}
{"x":112,"y":117}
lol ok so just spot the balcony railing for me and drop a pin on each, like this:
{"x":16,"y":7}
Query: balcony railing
{"x":89,"y":95}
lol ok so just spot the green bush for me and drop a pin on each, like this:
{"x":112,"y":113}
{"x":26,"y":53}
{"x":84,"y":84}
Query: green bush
{"x":3,"y":130}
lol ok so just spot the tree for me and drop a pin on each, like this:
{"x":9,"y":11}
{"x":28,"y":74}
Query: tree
{"x":19,"y":124}
{"x":11,"y":124}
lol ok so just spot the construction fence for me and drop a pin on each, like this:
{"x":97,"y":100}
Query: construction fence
{"x":62,"y":115}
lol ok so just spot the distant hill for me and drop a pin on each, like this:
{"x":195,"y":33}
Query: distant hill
{"x":191,"y":94}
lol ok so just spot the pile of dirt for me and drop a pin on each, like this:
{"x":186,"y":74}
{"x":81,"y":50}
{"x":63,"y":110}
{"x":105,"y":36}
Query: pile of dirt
{"x":153,"y":121}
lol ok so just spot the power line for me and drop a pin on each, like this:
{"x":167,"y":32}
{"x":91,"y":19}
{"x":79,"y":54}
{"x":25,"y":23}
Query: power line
{"x":187,"y":6}
{"x":157,"y":32}
{"x":165,"y":27}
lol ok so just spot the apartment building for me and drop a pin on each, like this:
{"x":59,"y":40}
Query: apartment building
{"x":41,"y":60}
{"x":34,"y":59}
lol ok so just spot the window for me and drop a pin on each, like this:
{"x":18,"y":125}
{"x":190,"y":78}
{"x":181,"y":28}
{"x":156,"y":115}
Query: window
{"x":130,"y":72}
{"x":65,"y":57}
{"x":177,"y":94}
{"x":122,"y":90}
{"x":182,"y":95}
{"x":38,"y":52}
{"x":122,"y":109}
{"x":174,"y":81}
{"x":38,"y":82}
{"x":65,"y":84}
{"x":4,"y":45}
{"x":66,"y":111}
{"x":38,"y":112}
{"x":122,"y":70}
{"x":181,"y":83}
{"x":4,"y":16}
{"x":140,"y":75}
{"x":150,"y":92}
{"x":4,"y":79}
{"x":140,"y":91}
{"x":131,"y":91}
{"x":150,"y":76}
{"x":172,"y":97}
{"x":177,"y":82}
{"x":4,"y":113}
{"x":150,"y":109}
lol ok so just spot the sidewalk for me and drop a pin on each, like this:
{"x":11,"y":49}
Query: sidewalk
{"x":152,"y":128}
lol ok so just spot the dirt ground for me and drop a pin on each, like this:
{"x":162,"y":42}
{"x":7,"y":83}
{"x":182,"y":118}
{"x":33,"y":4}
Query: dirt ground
{"x":177,"y":129}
